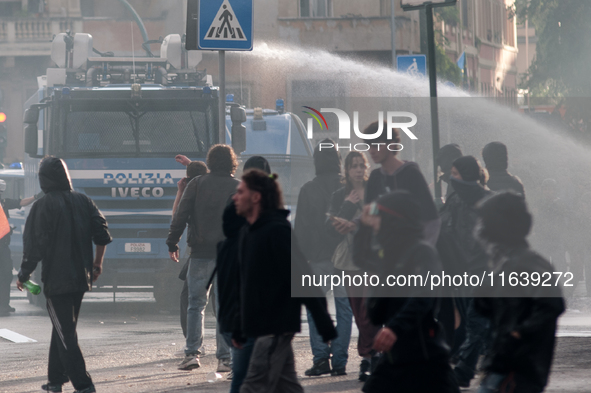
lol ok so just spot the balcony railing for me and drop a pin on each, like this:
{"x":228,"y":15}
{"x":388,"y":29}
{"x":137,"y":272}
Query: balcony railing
{"x":32,"y":36}
{"x":26,"y":30}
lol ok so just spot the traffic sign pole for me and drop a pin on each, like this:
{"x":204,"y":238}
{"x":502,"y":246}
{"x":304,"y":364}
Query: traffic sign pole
{"x":410,"y":5}
{"x":222,"y":99}
{"x":393,"y":32}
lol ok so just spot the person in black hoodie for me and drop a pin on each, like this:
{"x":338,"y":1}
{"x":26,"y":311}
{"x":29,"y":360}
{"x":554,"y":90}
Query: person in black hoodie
{"x":459,"y":219}
{"x":411,"y":339}
{"x":445,"y":157}
{"x":228,"y":279}
{"x":59,"y":232}
{"x":523,"y":317}
{"x":318,"y":245}
{"x":268,"y":312}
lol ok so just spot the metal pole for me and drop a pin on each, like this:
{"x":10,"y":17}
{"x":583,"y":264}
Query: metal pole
{"x":527,"y":53}
{"x":222,"y":111}
{"x":393,"y":32}
{"x":433,"y":90}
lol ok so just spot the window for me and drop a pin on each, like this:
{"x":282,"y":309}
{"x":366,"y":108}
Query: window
{"x":486,"y":20}
{"x":467,"y":14}
{"x":137,"y":133}
{"x":509,"y":28}
{"x":315,"y":8}
{"x":498,"y":16}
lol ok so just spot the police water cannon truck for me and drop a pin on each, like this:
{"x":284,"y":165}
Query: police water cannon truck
{"x":118,"y":123}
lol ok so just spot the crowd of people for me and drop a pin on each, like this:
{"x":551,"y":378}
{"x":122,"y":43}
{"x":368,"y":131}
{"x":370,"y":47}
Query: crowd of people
{"x":245,"y":256}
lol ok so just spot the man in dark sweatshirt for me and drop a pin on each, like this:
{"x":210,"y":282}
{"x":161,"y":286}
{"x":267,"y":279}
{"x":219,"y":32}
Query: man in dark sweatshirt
{"x":268,"y":257}
{"x":202,"y":207}
{"x":59,"y":233}
{"x":523,"y":317}
{"x":318,"y":246}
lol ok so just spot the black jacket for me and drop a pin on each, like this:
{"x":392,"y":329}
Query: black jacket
{"x":412,"y":317}
{"x":339,"y":207}
{"x":407,"y":177}
{"x":531,"y":311}
{"x":316,"y":242}
{"x":228,"y":272}
{"x":60,"y":230}
{"x":266,"y":274}
{"x":202,"y":207}
{"x":458,"y":219}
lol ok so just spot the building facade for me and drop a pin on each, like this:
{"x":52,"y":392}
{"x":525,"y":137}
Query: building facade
{"x":486,"y":32}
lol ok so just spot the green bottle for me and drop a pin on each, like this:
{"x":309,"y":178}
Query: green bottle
{"x":32,"y":287}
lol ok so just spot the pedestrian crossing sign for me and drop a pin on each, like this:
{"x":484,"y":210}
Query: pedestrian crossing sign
{"x":225,"y":24}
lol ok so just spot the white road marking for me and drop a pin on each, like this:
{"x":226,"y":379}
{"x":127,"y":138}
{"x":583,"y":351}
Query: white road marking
{"x":15,"y":337}
{"x":567,"y":333}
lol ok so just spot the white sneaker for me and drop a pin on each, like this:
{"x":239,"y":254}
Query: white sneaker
{"x":224,"y":366}
{"x":189,"y":363}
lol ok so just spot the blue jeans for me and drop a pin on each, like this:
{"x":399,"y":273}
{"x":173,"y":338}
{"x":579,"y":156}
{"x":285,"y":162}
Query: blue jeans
{"x":339,"y":347}
{"x":240,"y":361}
{"x":200,"y":271}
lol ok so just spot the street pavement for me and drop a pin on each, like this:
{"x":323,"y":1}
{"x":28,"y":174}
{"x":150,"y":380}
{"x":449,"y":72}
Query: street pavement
{"x":130,"y":346}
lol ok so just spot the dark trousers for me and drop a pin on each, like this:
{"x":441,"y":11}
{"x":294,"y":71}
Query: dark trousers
{"x":5,"y":277}
{"x":272,"y":367}
{"x":367,"y":330}
{"x":429,"y":376}
{"x":477,"y":337}
{"x":65,"y":358}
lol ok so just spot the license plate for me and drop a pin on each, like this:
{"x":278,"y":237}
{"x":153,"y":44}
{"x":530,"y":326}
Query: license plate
{"x":138,"y":247}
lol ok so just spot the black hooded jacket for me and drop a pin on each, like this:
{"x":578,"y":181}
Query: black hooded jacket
{"x":531,"y":311}
{"x":316,"y":242}
{"x":458,"y":219}
{"x":266,"y":277}
{"x":228,"y":271}
{"x":409,"y":310}
{"x":60,"y":230}
{"x":530,"y":308}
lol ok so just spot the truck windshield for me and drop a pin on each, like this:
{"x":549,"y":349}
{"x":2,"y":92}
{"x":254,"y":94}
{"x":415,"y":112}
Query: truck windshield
{"x":136,"y":133}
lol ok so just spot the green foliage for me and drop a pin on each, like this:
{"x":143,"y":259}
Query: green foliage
{"x":446,"y":68}
{"x":563,"y":51}
{"x":450,"y":15}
